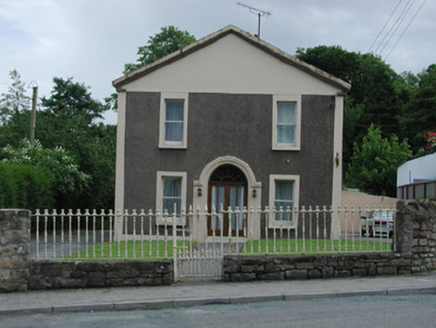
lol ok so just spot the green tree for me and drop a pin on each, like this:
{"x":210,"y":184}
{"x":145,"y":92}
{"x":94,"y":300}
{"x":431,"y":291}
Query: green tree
{"x":15,"y":101}
{"x":169,"y":40}
{"x":64,"y":176}
{"x":378,"y":94}
{"x":419,"y":116}
{"x":68,"y":119}
{"x":373,"y":166}
{"x":14,"y":112}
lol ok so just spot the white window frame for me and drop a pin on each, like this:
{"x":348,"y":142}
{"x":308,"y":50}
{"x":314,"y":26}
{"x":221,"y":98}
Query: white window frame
{"x":160,"y":219}
{"x":272,"y":196}
{"x":290,"y":99}
{"x":173,"y":144}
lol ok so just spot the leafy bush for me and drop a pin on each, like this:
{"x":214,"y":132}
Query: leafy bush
{"x":60,"y":169}
{"x":24,"y":186}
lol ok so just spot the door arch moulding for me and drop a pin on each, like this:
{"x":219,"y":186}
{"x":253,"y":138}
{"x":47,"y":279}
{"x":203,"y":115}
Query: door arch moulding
{"x":254,"y":189}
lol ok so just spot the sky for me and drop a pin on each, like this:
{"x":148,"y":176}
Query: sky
{"x":91,"y":40}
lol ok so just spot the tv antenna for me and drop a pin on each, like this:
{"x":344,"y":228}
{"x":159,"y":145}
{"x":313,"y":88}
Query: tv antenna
{"x":260,"y":13}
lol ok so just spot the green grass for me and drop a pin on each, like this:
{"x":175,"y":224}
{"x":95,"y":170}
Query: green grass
{"x":136,"y":250}
{"x":158,"y":250}
{"x":313,"y":246}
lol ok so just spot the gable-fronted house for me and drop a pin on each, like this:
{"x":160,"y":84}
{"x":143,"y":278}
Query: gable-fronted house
{"x":229,"y":121}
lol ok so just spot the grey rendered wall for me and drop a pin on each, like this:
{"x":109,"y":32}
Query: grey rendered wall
{"x":237,"y":125}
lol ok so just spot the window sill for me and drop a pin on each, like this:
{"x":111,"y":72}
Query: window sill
{"x":286,"y":148}
{"x":172,"y":146}
{"x":281,"y":225}
{"x":168,"y":221}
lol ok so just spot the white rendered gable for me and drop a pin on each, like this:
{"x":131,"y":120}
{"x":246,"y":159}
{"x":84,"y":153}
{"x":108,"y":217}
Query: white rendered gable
{"x":231,"y":65}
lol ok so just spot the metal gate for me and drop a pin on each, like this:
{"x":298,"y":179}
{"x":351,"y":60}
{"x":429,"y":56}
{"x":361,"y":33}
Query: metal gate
{"x":195,"y":259}
{"x":199,"y":261}
{"x":203,"y":260}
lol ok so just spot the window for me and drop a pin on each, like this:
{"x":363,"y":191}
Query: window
{"x":284,"y":194}
{"x":171,"y":196}
{"x":286,"y":123}
{"x":284,"y":199}
{"x":173,"y":121}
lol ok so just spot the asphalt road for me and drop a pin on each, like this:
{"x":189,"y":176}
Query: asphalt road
{"x":62,"y":247}
{"x":363,"y":311}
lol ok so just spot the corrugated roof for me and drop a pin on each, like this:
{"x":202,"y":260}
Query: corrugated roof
{"x":260,"y":44}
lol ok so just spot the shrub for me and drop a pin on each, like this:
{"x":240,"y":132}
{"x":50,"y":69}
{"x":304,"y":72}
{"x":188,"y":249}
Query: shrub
{"x":24,"y":186}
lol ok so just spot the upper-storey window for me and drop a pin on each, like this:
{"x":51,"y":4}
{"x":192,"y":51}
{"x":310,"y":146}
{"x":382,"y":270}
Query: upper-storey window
{"x":173,"y":122}
{"x":286,"y":122}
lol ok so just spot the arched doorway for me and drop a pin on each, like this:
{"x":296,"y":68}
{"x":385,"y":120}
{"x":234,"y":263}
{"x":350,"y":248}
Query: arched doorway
{"x":227,"y":192}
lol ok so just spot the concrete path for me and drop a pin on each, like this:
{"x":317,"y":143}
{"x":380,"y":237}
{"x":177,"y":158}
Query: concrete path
{"x":194,"y":293}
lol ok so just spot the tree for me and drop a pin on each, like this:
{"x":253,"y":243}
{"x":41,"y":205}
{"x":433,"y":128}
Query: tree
{"x":419,"y":117}
{"x":15,"y":101}
{"x":73,"y":101}
{"x":373,"y":166}
{"x":62,"y":171}
{"x":377,"y":95}
{"x":169,"y":40}
{"x":68,"y":120}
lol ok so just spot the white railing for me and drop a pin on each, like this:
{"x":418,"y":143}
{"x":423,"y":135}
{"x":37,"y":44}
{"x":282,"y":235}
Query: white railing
{"x":145,"y":235}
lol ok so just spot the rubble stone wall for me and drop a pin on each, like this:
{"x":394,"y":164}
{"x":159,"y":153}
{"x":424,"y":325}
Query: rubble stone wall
{"x":14,"y":250}
{"x":415,"y":252}
{"x":56,"y":275}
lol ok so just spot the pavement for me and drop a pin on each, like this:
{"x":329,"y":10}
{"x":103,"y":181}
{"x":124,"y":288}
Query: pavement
{"x":204,"y":292}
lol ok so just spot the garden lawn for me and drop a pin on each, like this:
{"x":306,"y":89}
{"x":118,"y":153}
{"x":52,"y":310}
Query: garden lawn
{"x":144,"y":250}
{"x":315,"y":246}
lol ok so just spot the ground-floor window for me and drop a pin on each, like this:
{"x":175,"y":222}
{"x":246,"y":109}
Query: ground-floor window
{"x":283,"y":198}
{"x":171,"y":196}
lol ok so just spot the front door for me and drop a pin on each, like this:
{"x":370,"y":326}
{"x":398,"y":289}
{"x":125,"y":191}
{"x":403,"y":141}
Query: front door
{"x":227,"y":198}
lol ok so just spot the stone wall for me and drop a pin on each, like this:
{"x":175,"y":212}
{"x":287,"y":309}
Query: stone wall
{"x":18,"y":273}
{"x":312,"y":267}
{"x":14,"y":250}
{"x":415,"y":234}
{"x":415,"y":251}
{"x":56,"y":275}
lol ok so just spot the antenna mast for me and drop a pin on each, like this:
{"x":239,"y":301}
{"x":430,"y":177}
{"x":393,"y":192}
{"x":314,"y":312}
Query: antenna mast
{"x":260,"y":13}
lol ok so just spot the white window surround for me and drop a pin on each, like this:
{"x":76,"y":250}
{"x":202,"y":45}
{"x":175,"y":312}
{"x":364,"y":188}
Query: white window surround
{"x":160,"y":219}
{"x":291,"y":99}
{"x":272,"y":190}
{"x":173,"y":144}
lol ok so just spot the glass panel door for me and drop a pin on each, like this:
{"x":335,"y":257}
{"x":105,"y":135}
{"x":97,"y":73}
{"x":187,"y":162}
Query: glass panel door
{"x":226,"y":205}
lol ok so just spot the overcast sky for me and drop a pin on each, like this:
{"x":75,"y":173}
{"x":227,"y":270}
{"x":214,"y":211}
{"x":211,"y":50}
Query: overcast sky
{"x":91,"y":40}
